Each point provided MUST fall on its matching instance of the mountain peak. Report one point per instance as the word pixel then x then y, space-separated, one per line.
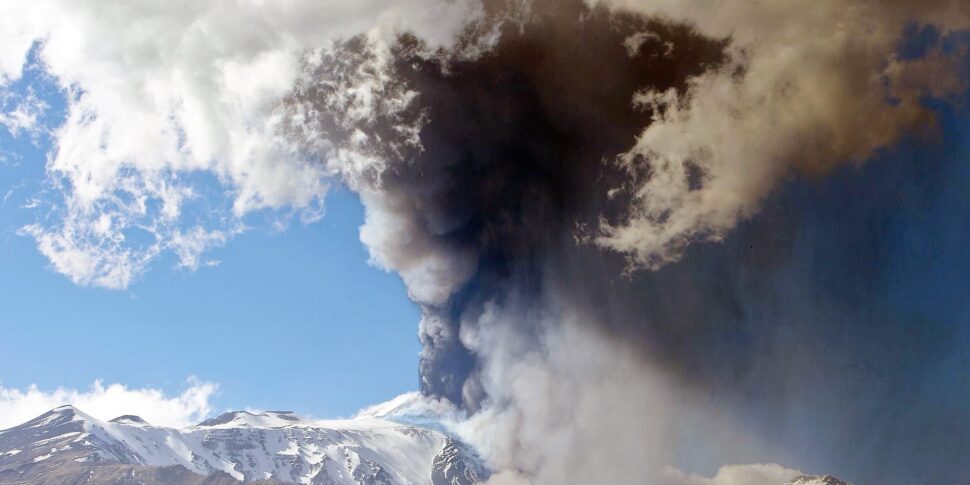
pixel 59 416
pixel 817 480
pixel 68 410
pixel 130 419
pixel 247 419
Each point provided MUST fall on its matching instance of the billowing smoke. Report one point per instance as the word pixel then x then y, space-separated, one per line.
pixel 538 186
pixel 477 166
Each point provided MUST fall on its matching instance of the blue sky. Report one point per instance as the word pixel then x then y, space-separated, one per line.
pixel 293 318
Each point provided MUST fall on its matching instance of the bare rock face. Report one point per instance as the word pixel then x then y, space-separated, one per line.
pixel 66 446
pixel 452 466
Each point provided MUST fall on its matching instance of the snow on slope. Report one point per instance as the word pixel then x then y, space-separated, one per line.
pixel 415 409
pixel 272 445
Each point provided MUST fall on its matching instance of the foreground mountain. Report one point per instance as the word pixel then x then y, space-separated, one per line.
pixel 67 446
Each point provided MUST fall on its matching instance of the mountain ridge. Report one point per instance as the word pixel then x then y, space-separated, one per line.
pixel 66 445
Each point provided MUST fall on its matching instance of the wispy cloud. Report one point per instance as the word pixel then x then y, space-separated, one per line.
pixel 22 114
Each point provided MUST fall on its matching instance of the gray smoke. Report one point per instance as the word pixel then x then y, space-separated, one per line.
pixel 478 165
pixel 576 196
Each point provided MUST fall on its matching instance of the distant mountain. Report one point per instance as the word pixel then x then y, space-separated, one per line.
pixel 67 446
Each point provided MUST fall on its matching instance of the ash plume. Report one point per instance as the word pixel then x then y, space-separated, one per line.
pixel 477 167
pixel 606 214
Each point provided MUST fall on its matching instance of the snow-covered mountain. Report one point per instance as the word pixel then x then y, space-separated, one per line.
pixel 394 443
pixel 66 445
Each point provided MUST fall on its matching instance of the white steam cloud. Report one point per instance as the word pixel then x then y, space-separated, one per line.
pixel 757 474
pixel 576 407
pixel 760 474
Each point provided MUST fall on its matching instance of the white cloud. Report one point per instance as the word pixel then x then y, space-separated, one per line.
pixel 110 401
pixel 190 245
pixel 159 91
pixel 89 254
pixel 22 114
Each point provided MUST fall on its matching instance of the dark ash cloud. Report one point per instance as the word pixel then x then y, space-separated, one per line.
pixel 521 180
pixel 515 145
